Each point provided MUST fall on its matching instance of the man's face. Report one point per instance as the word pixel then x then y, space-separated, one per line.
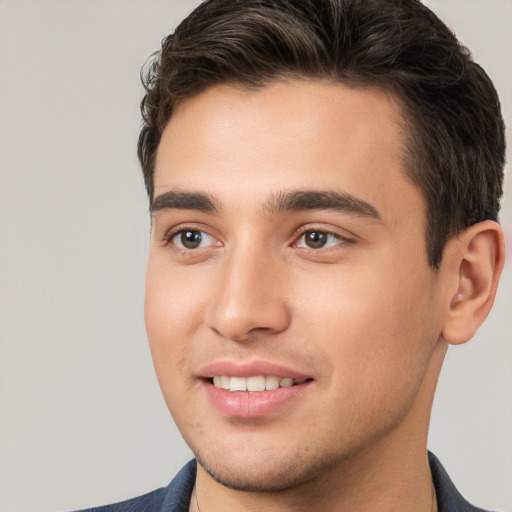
pixel 288 248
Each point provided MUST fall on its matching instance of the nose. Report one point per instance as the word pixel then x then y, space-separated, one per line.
pixel 250 297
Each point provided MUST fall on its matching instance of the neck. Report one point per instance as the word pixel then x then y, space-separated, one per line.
pixel 392 474
pixel 364 490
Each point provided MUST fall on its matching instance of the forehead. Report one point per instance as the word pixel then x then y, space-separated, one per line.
pixel 299 134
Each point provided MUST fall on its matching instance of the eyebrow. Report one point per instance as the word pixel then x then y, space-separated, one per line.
pixel 321 200
pixel 298 200
pixel 178 200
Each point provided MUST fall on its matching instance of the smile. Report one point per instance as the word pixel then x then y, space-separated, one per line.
pixel 253 389
pixel 256 383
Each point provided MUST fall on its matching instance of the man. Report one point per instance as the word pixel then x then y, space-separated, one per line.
pixel 324 179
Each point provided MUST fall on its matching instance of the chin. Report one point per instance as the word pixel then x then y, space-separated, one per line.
pixel 258 461
pixel 266 475
pixel 263 464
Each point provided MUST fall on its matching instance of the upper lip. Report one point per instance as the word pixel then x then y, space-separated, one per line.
pixel 249 369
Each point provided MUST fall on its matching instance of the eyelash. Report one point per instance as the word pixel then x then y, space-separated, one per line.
pixel 172 234
pixel 175 232
pixel 341 240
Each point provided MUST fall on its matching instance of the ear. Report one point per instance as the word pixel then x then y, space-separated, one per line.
pixel 476 260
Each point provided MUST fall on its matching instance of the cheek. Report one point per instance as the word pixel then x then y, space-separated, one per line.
pixel 171 301
pixel 374 325
pixel 171 314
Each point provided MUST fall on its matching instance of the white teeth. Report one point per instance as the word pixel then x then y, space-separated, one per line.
pixel 271 383
pixel 238 384
pixel 256 383
pixel 224 382
pixel 253 384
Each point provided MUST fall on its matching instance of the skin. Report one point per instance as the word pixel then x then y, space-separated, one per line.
pixel 364 316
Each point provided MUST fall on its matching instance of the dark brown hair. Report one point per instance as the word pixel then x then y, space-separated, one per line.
pixel 454 131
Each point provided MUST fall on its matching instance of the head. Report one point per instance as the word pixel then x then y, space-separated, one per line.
pixel 453 128
pixel 324 177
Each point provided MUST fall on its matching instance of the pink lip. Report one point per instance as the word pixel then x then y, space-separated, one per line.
pixel 246 404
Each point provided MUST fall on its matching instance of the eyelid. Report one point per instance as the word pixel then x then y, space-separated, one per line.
pixel 173 231
pixel 345 236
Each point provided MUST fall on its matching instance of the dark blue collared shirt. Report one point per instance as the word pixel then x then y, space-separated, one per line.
pixel 176 496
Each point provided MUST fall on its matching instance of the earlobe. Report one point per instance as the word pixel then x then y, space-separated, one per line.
pixel 478 259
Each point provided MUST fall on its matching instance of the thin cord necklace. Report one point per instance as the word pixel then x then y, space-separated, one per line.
pixel 197 504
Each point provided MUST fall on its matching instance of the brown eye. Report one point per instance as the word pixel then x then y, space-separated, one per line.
pixel 314 239
pixel 192 239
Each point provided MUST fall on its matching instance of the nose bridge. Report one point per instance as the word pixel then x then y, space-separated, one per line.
pixel 249 295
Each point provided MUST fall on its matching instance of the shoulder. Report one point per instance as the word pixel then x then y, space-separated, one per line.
pixel 150 502
pixel 173 498
pixel 449 498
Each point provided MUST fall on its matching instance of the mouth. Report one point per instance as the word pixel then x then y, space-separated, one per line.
pixel 254 389
pixel 256 383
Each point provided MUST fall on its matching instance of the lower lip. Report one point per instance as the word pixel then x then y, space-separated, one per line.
pixel 246 404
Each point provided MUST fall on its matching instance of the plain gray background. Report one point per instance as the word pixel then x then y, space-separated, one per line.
pixel 82 421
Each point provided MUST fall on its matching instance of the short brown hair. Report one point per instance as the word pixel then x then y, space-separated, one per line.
pixel 454 129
